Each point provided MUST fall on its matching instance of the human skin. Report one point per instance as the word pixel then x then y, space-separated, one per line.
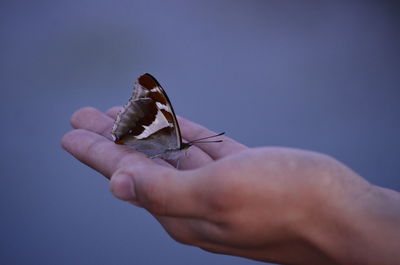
pixel 271 204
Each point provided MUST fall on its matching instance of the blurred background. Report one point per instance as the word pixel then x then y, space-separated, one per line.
pixel 313 75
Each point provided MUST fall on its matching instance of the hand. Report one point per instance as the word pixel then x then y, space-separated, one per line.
pixel 272 204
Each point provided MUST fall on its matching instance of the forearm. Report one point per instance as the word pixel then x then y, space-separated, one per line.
pixel 381 227
pixel 361 229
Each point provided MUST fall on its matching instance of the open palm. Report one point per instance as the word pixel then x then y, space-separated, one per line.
pixel 91 143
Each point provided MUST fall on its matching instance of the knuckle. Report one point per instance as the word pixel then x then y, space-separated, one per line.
pixel 94 146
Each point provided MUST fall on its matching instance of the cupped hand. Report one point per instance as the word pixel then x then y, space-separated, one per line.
pixel 268 204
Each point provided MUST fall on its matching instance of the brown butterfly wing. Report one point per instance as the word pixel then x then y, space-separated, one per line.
pixel 148 122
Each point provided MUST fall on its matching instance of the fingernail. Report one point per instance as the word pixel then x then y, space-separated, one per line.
pixel 122 187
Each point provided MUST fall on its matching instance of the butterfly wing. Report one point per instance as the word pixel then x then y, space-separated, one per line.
pixel 148 122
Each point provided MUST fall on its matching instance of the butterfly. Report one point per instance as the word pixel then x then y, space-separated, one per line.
pixel 148 122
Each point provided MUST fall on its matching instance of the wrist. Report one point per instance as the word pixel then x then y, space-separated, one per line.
pixel 355 222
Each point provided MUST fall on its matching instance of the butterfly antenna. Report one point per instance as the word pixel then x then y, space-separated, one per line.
pixel 200 140
pixel 203 142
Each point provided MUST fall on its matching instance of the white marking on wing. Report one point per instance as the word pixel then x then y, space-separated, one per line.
pixel 159 123
pixel 155 89
pixel 162 106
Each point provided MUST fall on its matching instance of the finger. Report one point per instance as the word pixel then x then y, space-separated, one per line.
pixel 113 112
pixel 91 119
pixel 162 191
pixel 194 158
pixel 94 120
pixel 193 131
pixel 99 153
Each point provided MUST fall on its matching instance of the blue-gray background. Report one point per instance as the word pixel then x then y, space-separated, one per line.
pixel 314 75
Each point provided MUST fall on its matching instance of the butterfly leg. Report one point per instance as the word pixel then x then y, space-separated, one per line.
pixel 155 156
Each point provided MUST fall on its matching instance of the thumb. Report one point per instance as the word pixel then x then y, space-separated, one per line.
pixel 161 190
